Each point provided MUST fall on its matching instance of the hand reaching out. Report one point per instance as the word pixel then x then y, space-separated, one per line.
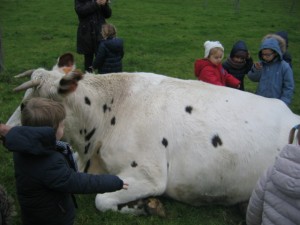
pixel 3 131
pixel 101 2
pixel 258 65
pixel 125 186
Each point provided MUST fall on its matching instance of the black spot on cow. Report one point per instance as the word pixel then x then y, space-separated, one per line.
pixel 104 108
pixel 165 142
pixel 134 164
pixel 216 140
pixel 87 101
pixel 86 148
pixel 90 134
pixel 189 109
pixel 87 166
pixel 113 121
pixel 81 131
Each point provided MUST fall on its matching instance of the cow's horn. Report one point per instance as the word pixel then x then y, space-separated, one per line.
pixel 25 74
pixel 27 85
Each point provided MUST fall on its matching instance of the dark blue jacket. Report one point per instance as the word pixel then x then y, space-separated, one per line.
pixel 44 179
pixel 109 56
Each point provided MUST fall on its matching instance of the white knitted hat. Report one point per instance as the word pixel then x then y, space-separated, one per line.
pixel 208 45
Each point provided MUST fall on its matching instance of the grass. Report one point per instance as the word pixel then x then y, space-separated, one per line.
pixel 163 37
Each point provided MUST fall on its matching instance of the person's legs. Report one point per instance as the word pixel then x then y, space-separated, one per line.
pixel 88 61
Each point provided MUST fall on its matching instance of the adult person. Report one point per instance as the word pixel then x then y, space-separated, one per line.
pixel 92 14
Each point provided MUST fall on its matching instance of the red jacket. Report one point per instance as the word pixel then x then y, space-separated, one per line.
pixel 210 73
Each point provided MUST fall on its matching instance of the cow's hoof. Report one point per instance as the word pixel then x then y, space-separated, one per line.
pixel 155 207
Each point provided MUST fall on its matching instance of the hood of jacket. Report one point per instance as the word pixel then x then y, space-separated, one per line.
pixel 238 46
pixel 270 43
pixel 31 140
pixel 286 172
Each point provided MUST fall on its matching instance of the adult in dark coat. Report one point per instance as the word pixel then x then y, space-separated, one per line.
pixel 91 15
pixel 44 180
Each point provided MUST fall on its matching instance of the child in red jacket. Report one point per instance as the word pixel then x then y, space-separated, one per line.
pixel 210 69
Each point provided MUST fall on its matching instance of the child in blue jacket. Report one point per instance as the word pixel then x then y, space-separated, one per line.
pixel 274 75
pixel 45 174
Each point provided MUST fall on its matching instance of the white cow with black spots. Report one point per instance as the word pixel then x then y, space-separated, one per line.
pixel 185 139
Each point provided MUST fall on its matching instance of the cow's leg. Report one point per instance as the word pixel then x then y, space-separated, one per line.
pixel 134 200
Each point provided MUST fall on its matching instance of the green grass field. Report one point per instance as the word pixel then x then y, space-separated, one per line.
pixel 163 37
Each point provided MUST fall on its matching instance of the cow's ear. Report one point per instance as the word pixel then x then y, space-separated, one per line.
pixel 69 82
pixel 66 60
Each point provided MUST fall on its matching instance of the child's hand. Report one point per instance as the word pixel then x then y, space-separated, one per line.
pixel 125 186
pixel 101 2
pixel 258 65
pixel 3 131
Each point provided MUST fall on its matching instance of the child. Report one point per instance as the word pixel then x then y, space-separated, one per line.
pixel 239 62
pixel 210 68
pixel 110 51
pixel 274 75
pixel 45 176
pixel 276 197
pixel 282 38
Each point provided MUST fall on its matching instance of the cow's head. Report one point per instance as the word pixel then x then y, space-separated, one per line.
pixel 54 84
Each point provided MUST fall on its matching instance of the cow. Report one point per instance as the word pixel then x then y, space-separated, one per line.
pixel 187 140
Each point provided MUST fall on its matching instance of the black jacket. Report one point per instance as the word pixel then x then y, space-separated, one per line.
pixel 238 71
pixel 44 179
pixel 109 56
pixel 91 17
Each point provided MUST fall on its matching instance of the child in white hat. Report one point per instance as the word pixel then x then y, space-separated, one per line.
pixel 210 69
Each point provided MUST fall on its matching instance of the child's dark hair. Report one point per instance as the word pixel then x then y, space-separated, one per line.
pixel 39 112
pixel 108 31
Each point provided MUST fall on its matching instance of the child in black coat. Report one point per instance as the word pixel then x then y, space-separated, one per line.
pixel 110 51
pixel 239 62
pixel 45 172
